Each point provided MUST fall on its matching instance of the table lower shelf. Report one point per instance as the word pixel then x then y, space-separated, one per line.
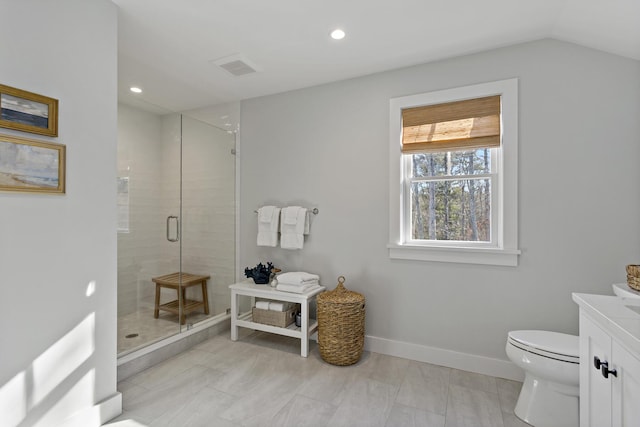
pixel 246 321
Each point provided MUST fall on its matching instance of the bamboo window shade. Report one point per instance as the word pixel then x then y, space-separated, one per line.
pixel 459 125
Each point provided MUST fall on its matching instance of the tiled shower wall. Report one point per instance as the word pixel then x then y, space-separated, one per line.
pixel 149 154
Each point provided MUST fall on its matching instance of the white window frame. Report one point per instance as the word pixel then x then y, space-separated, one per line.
pixel 503 250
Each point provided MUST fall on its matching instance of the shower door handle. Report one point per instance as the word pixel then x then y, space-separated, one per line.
pixel 177 237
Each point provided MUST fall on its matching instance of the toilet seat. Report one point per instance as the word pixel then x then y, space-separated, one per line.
pixel 552 345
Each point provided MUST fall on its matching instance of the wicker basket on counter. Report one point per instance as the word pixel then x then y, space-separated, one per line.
pixel 633 276
pixel 340 325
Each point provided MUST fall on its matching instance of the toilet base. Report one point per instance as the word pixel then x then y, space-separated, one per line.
pixel 543 403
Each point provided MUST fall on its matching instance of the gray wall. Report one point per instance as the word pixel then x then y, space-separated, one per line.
pixel 57 332
pixel 579 210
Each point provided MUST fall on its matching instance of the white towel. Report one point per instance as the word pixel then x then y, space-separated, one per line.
pixel 273 305
pixel 298 278
pixel 294 224
pixel 297 288
pixel 268 217
pixel 279 306
pixel 310 282
pixel 265 213
pixel 262 305
pixel 290 215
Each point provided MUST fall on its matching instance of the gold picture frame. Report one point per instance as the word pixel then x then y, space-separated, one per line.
pixel 31 166
pixel 28 111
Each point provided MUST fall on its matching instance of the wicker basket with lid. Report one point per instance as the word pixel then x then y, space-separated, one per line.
pixel 341 325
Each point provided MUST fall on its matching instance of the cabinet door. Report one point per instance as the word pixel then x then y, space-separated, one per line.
pixel 626 388
pixel 595 390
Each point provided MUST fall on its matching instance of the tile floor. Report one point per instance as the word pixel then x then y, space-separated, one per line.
pixel 261 380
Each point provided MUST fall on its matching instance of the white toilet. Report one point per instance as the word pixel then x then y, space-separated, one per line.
pixel 550 392
pixel 550 360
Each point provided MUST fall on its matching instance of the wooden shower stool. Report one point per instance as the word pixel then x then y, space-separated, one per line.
pixel 173 281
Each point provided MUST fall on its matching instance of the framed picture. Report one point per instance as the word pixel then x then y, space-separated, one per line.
pixel 28 165
pixel 28 112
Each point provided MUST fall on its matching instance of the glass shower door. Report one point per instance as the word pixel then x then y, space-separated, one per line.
pixel 168 296
pixel 208 216
pixel 148 224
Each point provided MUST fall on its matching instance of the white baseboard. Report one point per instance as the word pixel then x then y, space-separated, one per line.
pixel 98 414
pixel 451 359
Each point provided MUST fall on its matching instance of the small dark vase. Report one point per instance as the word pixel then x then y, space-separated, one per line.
pixel 261 274
pixel 261 280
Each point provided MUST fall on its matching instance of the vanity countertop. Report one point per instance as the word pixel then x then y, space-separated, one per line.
pixel 618 316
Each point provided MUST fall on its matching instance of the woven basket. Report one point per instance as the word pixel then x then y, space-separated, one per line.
pixel 281 319
pixel 633 277
pixel 340 325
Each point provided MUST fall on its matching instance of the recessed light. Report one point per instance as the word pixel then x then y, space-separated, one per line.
pixel 135 89
pixel 337 34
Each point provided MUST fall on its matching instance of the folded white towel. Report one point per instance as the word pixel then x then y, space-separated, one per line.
pixel 298 278
pixel 278 306
pixel 290 215
pixel 294 225
pixel 268 219
pixel 297 288
pixel 265 213
pixel 262 305
pixel 311 282
pixel 273 305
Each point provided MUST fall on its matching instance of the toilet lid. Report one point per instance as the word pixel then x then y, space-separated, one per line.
pixel 547 343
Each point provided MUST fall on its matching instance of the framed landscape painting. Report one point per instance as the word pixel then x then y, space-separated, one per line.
pixel 28 165
pixel 28 112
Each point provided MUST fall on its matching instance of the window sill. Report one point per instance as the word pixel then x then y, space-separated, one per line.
pixel 486 256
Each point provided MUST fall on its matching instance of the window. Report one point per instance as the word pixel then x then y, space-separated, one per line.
pixel 453 164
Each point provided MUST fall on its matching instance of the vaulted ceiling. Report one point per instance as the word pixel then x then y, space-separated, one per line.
pixel 170 48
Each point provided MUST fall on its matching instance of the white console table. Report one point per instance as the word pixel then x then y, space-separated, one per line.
pixel 250 289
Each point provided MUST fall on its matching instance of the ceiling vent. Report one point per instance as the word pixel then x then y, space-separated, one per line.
pixel 236 65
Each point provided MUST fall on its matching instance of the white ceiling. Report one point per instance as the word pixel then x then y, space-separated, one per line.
pixel 167 47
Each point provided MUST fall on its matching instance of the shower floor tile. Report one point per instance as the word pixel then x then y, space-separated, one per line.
pixel 143 329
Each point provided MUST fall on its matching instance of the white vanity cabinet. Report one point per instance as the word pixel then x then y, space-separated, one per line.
pixel 626 392
pixel 609 361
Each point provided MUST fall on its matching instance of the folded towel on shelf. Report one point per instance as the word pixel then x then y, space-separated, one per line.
pixel 310 282
pixel 298 289
pixel 273 305
pixel 298 278
pixel 262 305
pixel 268 220
pixel 279 306
pixel 294 224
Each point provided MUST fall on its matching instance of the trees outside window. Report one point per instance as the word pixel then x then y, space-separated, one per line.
pixel 450 195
